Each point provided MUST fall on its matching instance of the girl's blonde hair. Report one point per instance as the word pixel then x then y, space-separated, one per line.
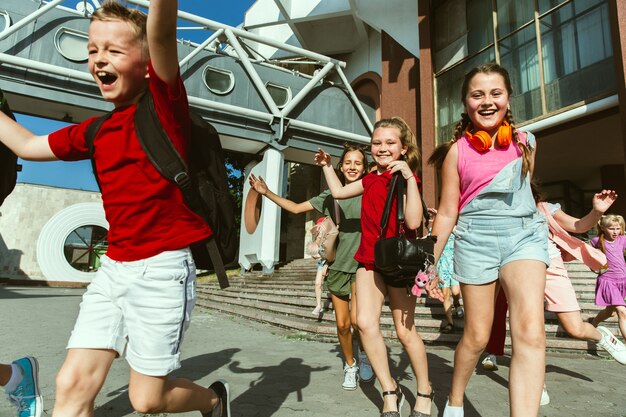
pixel 111 10
pixel 407 138
pixel 440 153
pixel 607 221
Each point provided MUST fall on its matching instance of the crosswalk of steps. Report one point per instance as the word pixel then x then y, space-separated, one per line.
pixel 286 299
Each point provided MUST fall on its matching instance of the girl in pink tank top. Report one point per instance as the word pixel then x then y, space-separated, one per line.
pixel 500 241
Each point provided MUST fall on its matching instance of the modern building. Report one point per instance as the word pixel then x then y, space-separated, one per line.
pixel 566 58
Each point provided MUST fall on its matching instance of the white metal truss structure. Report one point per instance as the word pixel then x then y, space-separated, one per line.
pixel 222 40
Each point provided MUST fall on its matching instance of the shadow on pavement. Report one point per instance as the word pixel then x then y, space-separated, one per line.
pixel 14 293
pixel 194 368
pixel 275 383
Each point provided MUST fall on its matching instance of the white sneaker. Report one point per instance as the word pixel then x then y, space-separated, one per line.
pixel 350 376
pixel 610 343
pixel 316 311
pixel 489 363
pixel 545 398
pixel 453 411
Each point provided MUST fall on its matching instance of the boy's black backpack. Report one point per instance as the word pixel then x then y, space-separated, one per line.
pixel 8 160
pixel 203 180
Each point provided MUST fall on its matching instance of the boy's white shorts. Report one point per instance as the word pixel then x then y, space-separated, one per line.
pixel 140 309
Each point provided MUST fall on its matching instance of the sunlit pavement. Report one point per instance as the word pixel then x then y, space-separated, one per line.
pixel 273 372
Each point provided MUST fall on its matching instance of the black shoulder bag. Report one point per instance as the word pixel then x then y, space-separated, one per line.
pixel 400 258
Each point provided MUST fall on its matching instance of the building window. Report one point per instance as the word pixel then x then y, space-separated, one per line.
pixel 218 81
pixel 279 93
pixel 72 44
pixel 576 53
pixel 84 246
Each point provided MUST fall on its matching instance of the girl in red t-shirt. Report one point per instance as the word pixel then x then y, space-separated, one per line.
pixel 393 149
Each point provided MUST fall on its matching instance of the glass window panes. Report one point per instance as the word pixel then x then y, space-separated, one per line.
pixel 518 54
pixel 545 5
pixel 280 93
pixel 479 25
pixel 449 105
pixel 218 80
pixel 72 44
pixel 84 247
pixel 450 21
pixel 513 14
pixel 577 53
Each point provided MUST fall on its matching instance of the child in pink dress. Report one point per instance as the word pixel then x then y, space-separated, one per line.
pixel 611 284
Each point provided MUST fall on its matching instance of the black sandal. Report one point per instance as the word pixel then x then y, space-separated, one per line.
pixel 399 401
pixel 430 396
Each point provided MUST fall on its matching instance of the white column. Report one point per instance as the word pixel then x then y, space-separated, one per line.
pixel 259 242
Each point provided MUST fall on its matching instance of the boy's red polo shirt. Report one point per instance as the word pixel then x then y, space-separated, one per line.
pixel 146 213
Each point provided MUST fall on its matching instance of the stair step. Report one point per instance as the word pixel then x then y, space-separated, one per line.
pixel 286 298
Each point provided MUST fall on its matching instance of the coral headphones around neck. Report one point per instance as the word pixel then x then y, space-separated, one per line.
pixel 481 140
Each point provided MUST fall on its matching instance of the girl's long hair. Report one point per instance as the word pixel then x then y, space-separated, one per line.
pixel 440 153
pixel 349 147
pixel 407 138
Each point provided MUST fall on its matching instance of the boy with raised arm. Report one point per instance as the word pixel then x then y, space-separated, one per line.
pixel 140 300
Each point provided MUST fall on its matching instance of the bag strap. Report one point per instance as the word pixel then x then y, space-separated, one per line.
pixel 90 136
pixel 387 210
pixel 337 213
pixel 401 182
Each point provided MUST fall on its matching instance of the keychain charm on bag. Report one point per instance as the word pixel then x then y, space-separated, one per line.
pixel 422 278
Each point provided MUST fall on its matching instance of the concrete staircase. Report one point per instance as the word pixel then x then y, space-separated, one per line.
pixel 286 299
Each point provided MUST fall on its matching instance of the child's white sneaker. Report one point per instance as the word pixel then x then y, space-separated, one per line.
pixel 490 363
pixel 610 343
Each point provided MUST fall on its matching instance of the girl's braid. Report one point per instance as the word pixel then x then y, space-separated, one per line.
pixel 521 145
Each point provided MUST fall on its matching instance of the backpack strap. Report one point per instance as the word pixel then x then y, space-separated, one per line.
pixel 166 159
pixel 90 136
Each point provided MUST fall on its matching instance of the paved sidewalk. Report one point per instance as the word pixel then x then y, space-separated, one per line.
pixel 275 373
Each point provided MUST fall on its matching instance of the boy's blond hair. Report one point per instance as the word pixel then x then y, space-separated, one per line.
pixel 111 10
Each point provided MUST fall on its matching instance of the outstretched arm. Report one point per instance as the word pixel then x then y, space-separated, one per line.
pixel 23 142
pixel 161 34
pixel 414 212
pixel 337 189
pixel 260 187
pixel 600 203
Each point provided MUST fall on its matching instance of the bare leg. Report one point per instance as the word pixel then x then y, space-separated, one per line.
pixel 403 311
pixel 79 381
pixel 319 279
pixel 447 305
pixel 479 303
pixel 603 315
pixel 341 305
pixel 152 395
pixel 524 284
pixel 574 325
pixel 621 320
pixel 371 291
pixel 5 374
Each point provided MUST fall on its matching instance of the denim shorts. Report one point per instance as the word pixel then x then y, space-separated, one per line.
pixel 483 245
pixel 139 309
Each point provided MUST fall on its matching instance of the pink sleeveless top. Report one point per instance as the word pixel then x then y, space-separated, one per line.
pixel 477 169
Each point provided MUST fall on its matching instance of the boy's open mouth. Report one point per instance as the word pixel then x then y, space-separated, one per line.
pixel 106 78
